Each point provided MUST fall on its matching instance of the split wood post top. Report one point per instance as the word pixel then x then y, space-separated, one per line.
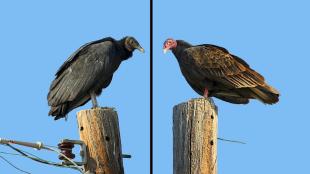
pixel 99 129
pixel 195 137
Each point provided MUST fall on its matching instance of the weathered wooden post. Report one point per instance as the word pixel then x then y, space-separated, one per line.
pixel 195 137
pixel 99 129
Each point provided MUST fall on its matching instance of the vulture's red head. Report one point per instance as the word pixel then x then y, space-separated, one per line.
pixel 169 44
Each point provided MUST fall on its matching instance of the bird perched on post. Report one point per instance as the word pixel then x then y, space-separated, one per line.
pixel 212 71
pixel 86 72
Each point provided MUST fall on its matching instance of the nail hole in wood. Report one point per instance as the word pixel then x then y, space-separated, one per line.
pixel 211 142
pixel 81 128
pixel 107 138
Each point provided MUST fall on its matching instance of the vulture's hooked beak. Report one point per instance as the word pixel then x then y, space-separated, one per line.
pixel 140 49
pixel 165 50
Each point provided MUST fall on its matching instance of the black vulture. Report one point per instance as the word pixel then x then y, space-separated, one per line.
pixel 211 70
pixel 86 72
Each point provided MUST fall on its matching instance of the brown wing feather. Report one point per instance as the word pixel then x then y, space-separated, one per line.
pixel 218 65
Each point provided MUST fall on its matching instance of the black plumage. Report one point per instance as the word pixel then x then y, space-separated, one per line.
pixel 86 72
pixel 212 71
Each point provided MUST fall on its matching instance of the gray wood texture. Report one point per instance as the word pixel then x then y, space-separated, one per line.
pixel 195 137
pixel 99 129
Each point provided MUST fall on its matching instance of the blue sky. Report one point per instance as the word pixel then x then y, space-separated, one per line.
pixel 273 37
pixel 36 38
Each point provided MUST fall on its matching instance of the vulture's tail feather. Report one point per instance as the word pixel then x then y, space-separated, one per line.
pixel 232 99
pixel 266 94
pixel 59 111
pixel 62 110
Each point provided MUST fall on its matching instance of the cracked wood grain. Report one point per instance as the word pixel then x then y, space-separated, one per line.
pixel 99 129
pixel 195 137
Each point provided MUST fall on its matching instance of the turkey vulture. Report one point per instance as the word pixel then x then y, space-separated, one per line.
pixel 211 70
pixel 86 72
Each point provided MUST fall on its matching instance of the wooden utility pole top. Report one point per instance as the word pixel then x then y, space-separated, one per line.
pixel 195 137
pixel 99 129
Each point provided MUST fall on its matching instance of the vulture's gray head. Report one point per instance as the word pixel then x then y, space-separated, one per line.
pixel 131 44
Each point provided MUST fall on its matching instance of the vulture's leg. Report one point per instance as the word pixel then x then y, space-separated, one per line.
pixel 94 99
pixel 209 85
pixel 206 93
